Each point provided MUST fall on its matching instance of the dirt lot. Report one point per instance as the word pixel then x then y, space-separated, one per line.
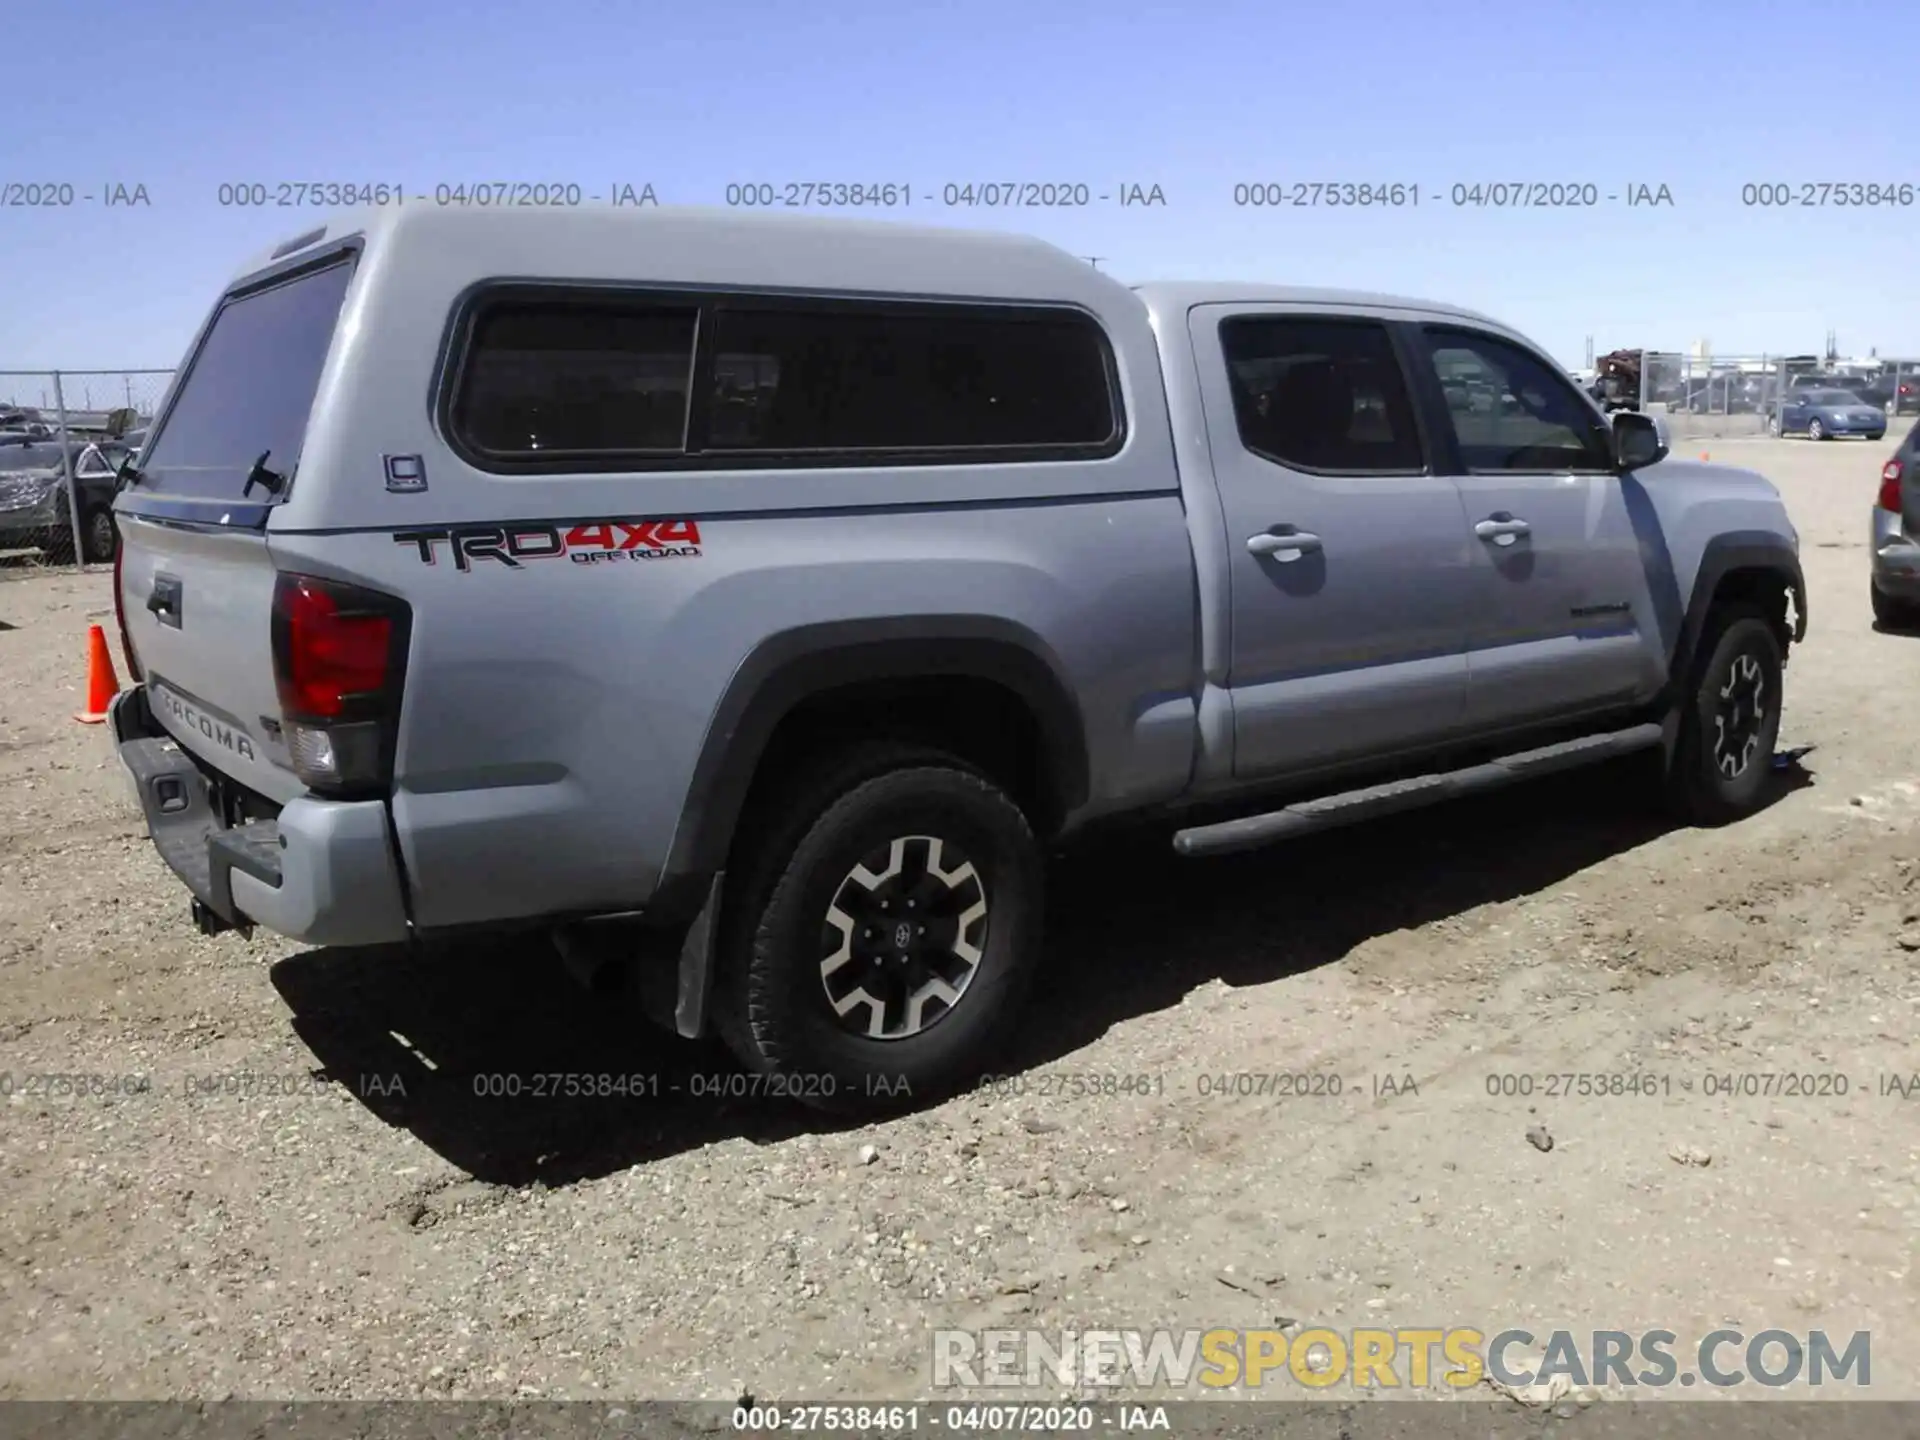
pixel 361 1224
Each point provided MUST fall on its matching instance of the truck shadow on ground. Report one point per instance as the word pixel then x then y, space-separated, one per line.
pixel 499 1064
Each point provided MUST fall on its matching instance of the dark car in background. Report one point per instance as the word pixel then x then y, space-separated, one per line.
pixel 1810 380
pixel 1821 414
pixel 1895 392
pixel 33 495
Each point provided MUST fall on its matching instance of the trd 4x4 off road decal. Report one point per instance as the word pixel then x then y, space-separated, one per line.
pixel 592 543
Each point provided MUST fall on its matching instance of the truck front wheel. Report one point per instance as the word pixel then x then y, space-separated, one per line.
pixel 884 933
pixel 1729 719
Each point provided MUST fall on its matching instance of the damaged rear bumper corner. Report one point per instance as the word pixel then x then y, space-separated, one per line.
pixel 322 872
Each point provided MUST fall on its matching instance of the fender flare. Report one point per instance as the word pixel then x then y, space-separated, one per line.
pixel 1723 555
pixel 795 665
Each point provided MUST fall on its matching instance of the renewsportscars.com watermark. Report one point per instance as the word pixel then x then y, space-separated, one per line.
pixel 1450 1358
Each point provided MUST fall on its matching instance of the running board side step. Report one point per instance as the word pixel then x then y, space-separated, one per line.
pixel 1356 805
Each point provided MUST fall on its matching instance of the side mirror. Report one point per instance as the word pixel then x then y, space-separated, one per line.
pixel 1638 440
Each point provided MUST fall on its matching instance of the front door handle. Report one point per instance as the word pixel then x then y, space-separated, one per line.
pixel 1290 546
pixel 1502 529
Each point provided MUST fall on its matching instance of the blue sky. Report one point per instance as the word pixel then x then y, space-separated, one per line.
pixel 1195 97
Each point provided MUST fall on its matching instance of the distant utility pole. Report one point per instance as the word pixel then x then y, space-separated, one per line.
pixel 1094 260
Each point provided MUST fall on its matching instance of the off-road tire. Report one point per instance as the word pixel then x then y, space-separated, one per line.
pixel 1739 642
pixel 772 1008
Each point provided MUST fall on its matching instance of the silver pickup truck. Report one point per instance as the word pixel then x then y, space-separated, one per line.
pixel 755 601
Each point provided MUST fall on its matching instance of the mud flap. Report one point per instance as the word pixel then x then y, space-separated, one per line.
pixel 1670 734
pixel 696 966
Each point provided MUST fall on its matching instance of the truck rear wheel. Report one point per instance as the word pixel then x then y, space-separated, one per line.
pixel 884 932
pixel 1729 720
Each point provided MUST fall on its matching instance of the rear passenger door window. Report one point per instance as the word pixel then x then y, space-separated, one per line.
pixel 1512 412
pixel 1325 396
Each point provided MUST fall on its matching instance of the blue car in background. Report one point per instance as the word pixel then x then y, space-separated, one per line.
pixel 1823 414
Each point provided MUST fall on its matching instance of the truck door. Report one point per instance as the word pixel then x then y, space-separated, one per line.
pixel 1352 571
pixel 1563 620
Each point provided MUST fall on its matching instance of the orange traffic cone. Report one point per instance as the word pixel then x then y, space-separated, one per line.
pixel 102 683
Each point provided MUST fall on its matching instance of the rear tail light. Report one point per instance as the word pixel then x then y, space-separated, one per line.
pixel 120 613
pixel 339 656
pixel 1890 487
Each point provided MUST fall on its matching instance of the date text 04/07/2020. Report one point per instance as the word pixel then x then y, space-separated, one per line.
pixel 1462 195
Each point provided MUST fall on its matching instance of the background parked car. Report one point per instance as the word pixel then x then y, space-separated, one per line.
pixel 1823 414
pixel 1896 538
pixel 33 495
pixel 1811 380
pixel 1895 394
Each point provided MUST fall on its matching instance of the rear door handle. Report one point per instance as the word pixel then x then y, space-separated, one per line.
pixel 1283 548
pixel 1502 529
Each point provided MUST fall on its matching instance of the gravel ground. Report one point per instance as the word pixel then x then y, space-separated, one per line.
pixel 353 1221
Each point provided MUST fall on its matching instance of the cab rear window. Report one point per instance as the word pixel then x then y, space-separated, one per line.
pixel 248 389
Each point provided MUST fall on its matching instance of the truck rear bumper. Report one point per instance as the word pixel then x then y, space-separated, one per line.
pixel 323 872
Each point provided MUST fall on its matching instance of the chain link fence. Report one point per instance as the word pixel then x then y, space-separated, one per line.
pixel 1714 396
pixel 63 437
